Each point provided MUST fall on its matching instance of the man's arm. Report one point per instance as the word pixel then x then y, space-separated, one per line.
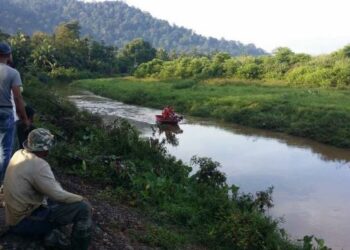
pixel 20 109
pixel 45 183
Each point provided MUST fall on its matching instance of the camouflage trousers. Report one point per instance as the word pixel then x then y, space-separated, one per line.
pixel 45 219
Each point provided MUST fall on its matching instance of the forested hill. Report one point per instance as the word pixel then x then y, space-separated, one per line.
pixel 114 22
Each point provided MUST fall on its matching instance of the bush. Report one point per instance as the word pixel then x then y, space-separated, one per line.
pixel 149 69
pixel 62 73
pixel 341 73
pixel 249 71
pixel 308 75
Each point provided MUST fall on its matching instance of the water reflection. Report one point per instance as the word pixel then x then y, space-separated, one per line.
pixel 143 118
pixel 312 194
pixel 325 152
pixel 312 184
pixel 169 131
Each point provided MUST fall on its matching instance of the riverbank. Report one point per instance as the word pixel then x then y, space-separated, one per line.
pixel 180 212
pixel 319 114
pixel 310 179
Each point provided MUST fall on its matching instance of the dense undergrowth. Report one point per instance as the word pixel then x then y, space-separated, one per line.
pixel 320 114
pixel 200 209
pixel 295 69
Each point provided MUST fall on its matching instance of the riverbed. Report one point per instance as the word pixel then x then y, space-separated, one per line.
pixel 311 180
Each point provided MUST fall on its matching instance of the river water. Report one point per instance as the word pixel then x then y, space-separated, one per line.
pixel 311 180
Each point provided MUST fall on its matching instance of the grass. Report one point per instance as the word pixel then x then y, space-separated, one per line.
pixel 201 210
pixel 184 211
pixel 316 113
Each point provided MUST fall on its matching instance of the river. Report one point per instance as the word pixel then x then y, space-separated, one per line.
pixel 311 180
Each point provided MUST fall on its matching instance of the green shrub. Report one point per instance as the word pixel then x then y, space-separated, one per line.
pixel 62 73
pixel 140 172
pixel 249 71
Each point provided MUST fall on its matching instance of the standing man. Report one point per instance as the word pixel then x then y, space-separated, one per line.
pixel 10 80
pixel 28 180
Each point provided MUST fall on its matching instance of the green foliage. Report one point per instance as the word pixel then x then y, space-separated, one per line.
pixel 283 55
pixel 21 47
pixel 139 50
pixel 114 22
pixel 44 53
pixel 64 55
pixel 208 173
pixel 200 209
pixel 61 73
pixel 345 51
pixel 161 237
pixel 284 65
pixel 184 84
pixel 319 114
pixel 308 243
pixel 249 71
pixel 148 69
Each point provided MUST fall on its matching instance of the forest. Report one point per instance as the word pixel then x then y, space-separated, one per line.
pixel 67 53
pixel 113 22
pixel 64 54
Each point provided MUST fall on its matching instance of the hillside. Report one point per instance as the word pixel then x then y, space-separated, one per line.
pixel 114 22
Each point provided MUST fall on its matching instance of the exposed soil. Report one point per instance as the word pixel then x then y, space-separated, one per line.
pixel 114 224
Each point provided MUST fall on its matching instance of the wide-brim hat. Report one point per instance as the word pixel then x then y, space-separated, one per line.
pixel 39 140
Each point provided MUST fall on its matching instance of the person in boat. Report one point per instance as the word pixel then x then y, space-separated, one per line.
pixel 28 181
pixel 165 113
pixel 168 113
pixel 171 112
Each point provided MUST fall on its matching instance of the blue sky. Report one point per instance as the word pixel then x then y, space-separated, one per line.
pixel 310 26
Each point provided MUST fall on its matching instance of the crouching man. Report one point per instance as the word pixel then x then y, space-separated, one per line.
pixel 28 181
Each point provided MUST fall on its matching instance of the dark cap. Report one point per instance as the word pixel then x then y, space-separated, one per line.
pixel 5 49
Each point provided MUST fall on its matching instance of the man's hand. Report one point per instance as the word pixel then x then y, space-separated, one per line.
pixel 17 96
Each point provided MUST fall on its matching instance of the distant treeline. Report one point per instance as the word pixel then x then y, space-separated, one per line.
pixel 331 70
pixel 65 55
pixel 114 22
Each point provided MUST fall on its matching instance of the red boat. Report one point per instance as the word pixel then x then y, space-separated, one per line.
pixel 171 120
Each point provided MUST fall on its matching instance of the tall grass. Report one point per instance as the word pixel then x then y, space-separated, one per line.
pixel 201 209
pixel 316 113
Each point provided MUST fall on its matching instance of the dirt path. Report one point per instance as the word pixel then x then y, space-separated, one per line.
pixel 113 223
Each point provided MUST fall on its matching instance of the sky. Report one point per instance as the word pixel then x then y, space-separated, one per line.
pixel 309 26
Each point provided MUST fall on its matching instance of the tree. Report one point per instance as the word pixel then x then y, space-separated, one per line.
pixel 230 67
pixel 44 55
pixel 249 71
pixel 40 37
pixel 217 64
pixel 114 22
pixel 136 52
pixel 346 51
pixel 102 58
pixel 73 50
pixel 162 54
pixel 67 32
pixel 283 55
pixel 21 50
